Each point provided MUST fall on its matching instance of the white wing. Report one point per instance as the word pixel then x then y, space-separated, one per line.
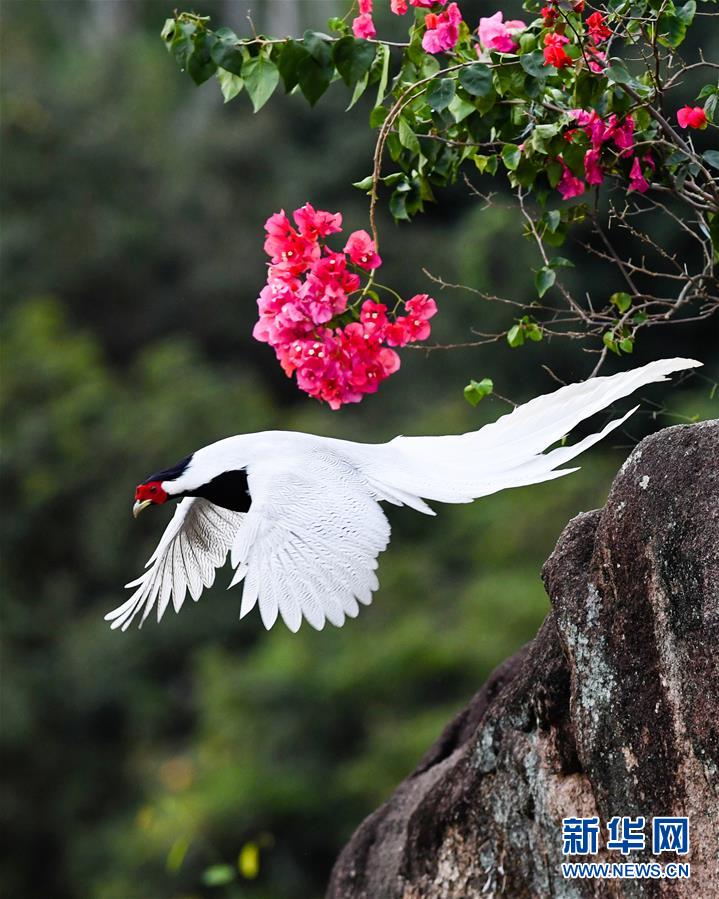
pixel 309 544
pixel 194 544
pixel 507 453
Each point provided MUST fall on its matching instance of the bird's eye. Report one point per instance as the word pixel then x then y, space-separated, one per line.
pixel 153 489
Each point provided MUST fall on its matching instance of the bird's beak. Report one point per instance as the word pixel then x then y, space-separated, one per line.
pixel 139 506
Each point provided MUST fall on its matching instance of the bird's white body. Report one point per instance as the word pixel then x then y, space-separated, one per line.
pixel 308 545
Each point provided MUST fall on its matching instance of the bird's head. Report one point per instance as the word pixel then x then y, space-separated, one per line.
pixel 160 487
pixel 148 494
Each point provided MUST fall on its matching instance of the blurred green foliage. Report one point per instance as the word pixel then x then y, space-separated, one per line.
pixel 205 757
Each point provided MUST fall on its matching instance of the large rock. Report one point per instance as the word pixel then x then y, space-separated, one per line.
pixel 613 709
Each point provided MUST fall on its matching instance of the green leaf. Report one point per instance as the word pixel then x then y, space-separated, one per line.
pixel 687 12
pixel 364 184
pixel 168 30
pixel 476 80
pixel 200 64
pixel 560 262
pixel 225 52
pixel 486 163
pixel 318 46
pixel 515 336
pixel 554 174
pixel 398 205
pixel 707 91
pixel 440 93
pixel 230 84
pixel 609 342
pixel 533 64
pixel 261 77
pixel 218 875
pixel 460 108
pixel 476 391
pixel 617 73
pixel 338 25
pixel 289 61
pixel 377 116
pixel 509 80
pixel 179 40
pixel 626 345
pixel 534 332
pixel 712 158
pixel 382 51
pixel 543 134
pixel 552 219
pixel 544 279
pixel 359 89
pixel 407 137
pixel 710 107
pixel 511 154
pixel 671 30
pixel 621 300
pixel 176 855
pixel 353 58
pixel 314 78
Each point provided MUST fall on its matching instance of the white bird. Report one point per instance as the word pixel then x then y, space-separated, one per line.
pixel 300 515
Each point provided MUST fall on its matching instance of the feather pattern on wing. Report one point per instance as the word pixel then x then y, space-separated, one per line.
pixel 308 547
pixel 194 545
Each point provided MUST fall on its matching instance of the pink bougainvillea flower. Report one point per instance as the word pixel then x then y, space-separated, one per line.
pixel 592 169
pixel 442 30
pixel 308 287
pixel 637 181
pixel 363 26
pixel 421 305
pixel 597 130
pixel 569 185
pixel 692 117
pixel 550 15
pixel 597 27
pixel 554 53
pixel 622 134
pixel 426 4
pixel 419 311
pixel 285 246
pixel 362 251
pixel 597 60
pixel 313 224
pixel 582 117
pixel 496 34
pixel 399 7
pixel 374 318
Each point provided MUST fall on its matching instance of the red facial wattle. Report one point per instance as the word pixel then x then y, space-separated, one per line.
pixel 151 491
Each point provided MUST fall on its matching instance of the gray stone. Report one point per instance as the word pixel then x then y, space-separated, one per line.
pixel 613 709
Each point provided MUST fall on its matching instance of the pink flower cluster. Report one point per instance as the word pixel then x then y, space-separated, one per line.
pixel 692 117
pixel 447 23
pixel 308 287
pixel 442 29
pixel 496 34
pixel 600 132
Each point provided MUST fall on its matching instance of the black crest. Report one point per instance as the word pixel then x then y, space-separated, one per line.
pixel 170 474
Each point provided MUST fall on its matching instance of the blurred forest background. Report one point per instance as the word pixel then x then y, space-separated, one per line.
pixel 146 765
